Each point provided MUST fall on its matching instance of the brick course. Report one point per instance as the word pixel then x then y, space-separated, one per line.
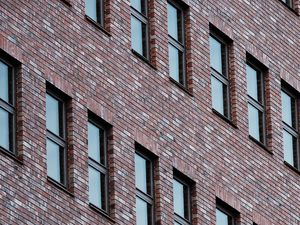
pixel 55 43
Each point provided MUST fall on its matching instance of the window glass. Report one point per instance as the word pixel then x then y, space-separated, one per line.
pixel 4 82
pixel 286 108
pixel 91 9
pixel 288 147
pixel 215 54
pixel 139 5
pixel 174 66
pixel 217 95
pixel 4 129
pixel 53 161
pixel 137 35
pixel 173 22
pixel 95 187
pixel 178 195
pixel 141 212
pixel 221 218
pixel 253 115
pixel 94 142
pixel 52 115
pixel 252 81
pixel 141 173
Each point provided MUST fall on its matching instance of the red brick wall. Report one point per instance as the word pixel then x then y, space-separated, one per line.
pixel 56 44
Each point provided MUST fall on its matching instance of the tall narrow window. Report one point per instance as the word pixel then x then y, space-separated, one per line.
pixel 7 107
pixel 225 215
pixel 98 170
pixel 56 138
pixel 176 43
pixel 94 9
pixel 144 190
pixel 256 103
pixel 219 75
pixel 290 128
pixel 139 27
pixel 182 202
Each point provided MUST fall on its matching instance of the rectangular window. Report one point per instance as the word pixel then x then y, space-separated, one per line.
pixel 94 9
pixel 176 32
pixel 7 107
pixel 256 102
pixel 98 168
pixel 290 128
pixel 225 215
pixel 288 3
pixel 181 201
pixel 139 27
pixel 56 143
pixel 144 190
pixel 219 75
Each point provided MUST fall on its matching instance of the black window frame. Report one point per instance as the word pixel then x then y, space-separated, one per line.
pixel 101 168
pixel 180 46
pixel 289 3
pixel 144 19
pixel 100 12
pixel 188 199
pixel 259 104
pixel 61 140
pixel 149 199
pixel 224 77
pixel 232 213
pixel 10 107
pixel 294 129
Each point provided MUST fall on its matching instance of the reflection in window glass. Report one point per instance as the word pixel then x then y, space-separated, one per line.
pixel 4 82
pixel 215 54
pixel 4 129
pixel 288 147
pixel 287 109
pixel 95 187
pixel 141 212
pixel 217 95
pixel 173 22
pixel 178 195
pixel 252 81
pixel 91 9
pixel 137 35
pixel 221 218
pixel 53 161
pixel 94 138
pixel 52 115
pixel 253 115
pixel 140 173
pixel 174 62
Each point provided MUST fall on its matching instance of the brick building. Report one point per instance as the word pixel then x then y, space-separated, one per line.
pixel 188 109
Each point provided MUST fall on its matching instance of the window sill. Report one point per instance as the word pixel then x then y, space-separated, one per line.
pixel 260 144
pixel 292 167
pixel 143 58
pixel 97 25
pixel 59 186
pixel 100 211
pixel 181 87
pixel 289 7
pixel 12 156
pixel 224 118
pixel 67 2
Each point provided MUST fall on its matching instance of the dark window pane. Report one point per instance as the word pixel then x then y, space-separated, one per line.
pixel 221 218
pixel 173 22
pixel 288 147
pixel 218 90
pixel 4 129
pixel 4 82
pixel 53 115
pixel 138 36
pixel 179 198
pixel 288 109
pixel 54 163
pixel 141 173
pixel 252 83
pixel 143 212
pixel 216 55
pixel 96 143
pixel 254 122
pixel 96 188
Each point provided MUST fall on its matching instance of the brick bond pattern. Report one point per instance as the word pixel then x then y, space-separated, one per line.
pixel 56 43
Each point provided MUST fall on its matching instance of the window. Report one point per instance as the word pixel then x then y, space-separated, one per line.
pixel 56 143
pixel 176 43
pixel 182 202
pixel 94 9
pixel 219 75
pixel 144 190
pixel 256 102
pixel 139 27
pixel 290 128
pixel 98 168
pixel 7 107
pixel 288 2
pixel 225 215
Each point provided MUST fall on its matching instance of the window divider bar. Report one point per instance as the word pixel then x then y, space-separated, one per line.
pixel 144 196
pixel 58 140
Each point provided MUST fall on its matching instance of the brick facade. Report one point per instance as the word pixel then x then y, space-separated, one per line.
pixel 55 44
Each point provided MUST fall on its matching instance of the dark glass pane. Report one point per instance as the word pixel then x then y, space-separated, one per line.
pixel 288 109
pixel 252 83
pixel 174 23
pixel 218 95
pixel 54 161
pixel 138 36
pixel 143 212
pixel 222 218
pixel 179 198
pixel 96 143
pixel 97 188
pixel 288 147
pixel 216 61
pixel 5 129
pixel 53 114
pixel 4 82
pixel 254 122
